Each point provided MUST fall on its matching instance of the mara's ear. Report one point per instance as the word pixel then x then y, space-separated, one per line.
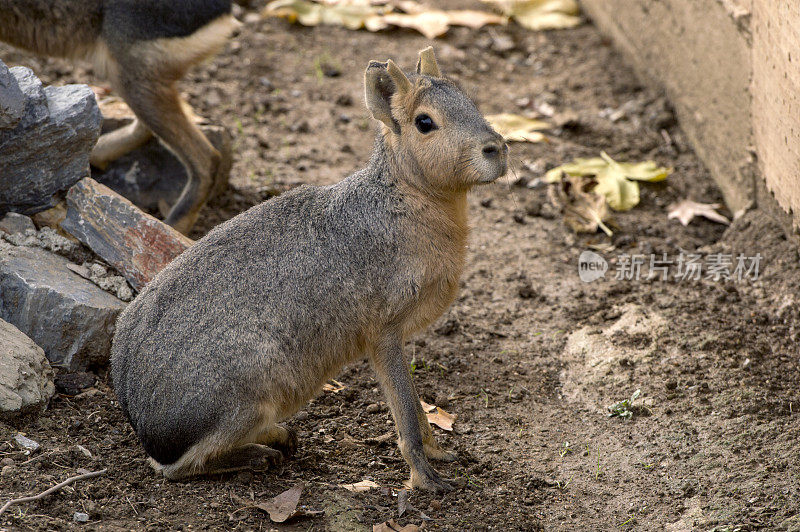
pixel 427 65
pixel 381 81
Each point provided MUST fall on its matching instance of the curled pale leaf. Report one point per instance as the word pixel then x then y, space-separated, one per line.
pixel 687 209
pixel 518 128
pixel 540 14
pixel 333 386
pixel 427 407
pixel 364 485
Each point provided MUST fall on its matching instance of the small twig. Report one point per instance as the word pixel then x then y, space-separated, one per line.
pixel 55 488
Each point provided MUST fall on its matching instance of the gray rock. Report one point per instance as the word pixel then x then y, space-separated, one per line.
pixel 26 443
pixel 71 318
pixel 134 243
pixel 81 517
pixel 47 150
pixel 26 378
pixel 12 101
pixel 13 223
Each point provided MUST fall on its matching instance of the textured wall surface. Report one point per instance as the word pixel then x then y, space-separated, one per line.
pixel 776 99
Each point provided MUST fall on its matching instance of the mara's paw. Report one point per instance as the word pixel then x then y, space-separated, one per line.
pixel 287 445
pixel 252 457
pixel 437 453
pixel 433 483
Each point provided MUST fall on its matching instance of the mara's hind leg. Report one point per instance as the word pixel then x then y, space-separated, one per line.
pixel 243 441
pixel 280 438
pixel 159 107
pixel 114 144
pixel 249 456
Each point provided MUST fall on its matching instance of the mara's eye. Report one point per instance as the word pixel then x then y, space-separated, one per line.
pixel 424 123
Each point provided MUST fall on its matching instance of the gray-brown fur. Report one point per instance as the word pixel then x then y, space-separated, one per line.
pixel 243 328
pixel 144 47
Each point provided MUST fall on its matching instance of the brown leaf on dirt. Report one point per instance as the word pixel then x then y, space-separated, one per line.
pixel 333 386
pixel 392 526
pixel 426 406
pixel 517 128
pixel 283 507
pixel 687 209
pixel 584 210
pixel 438 416
pixel 540 14
pixel 364 485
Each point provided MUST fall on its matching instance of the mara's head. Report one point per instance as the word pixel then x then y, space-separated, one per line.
pixel 435 131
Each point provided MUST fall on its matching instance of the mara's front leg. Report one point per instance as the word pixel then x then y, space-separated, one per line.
pixel 432 448
pixel 392 370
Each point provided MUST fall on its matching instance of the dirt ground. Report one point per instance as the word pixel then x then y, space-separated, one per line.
pixel 529 357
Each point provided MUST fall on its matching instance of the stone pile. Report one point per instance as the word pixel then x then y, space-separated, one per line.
pixel 72 251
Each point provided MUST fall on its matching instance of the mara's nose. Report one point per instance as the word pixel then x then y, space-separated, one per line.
pixel 494 148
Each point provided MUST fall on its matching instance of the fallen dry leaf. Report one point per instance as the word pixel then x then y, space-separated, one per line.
pixel 517 128
pixel 540 14
pixel 687 209
pixel 584 210
pixel 426 406
pixel 364 485
pixel 438 416
pixel 375 15
pixel 431 24
pixel 333 386
pixel 442 419
pixel 351 15
pixel 392 526
pixel 615 181
pixel 283 507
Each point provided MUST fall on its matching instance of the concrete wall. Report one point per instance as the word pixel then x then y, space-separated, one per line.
pixel 776 98
pixel 732 70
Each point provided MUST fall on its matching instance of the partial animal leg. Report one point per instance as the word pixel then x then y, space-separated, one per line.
pixel 432 448
pixel 114 144
pixel 392 371
pixel 159 107
pixel 250 456
pixel 280 438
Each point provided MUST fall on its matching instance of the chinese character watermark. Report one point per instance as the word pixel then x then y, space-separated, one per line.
pixel 681 267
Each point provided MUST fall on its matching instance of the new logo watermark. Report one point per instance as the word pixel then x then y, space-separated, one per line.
pixel 681 267
pixel 591 266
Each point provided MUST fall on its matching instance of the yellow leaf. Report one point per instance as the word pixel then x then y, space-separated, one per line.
pixel 613 178
pixel 350 15
pixel 431 24
pixel 540 14
pixel 374 15
pixel 621 194
pixel 517 128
